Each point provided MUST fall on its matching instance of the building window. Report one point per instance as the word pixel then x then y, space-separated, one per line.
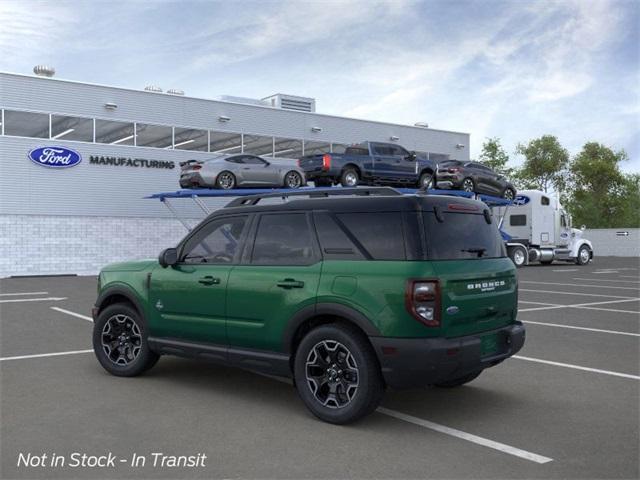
pixel 190 139
pixel 258 145
pixel 157 136
pixel 315 148
pixel 71 128
pixel 114 133
pixel 26 124
pixel 225 142
pixel 287 148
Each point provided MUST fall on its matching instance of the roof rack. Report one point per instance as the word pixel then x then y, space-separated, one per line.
pixel 315 193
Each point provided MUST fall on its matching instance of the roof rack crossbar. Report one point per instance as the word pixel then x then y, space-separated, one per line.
pixel 325 193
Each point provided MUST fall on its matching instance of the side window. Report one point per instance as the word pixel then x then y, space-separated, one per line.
pixel 563 220
pixel 235 160
pixel 380 234
pixel 544 201
pixel 217 242
pixel 334 242
pixel 399 151
pixel 382 150
pixel 283 239
pixel 251 160
pixel 517 220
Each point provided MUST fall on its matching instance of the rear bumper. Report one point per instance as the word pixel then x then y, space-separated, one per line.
pixel 190 180
pixel 418 362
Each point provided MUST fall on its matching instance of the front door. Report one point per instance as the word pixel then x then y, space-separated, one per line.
pixel 188 300
pixel 257 171
pixel 278 276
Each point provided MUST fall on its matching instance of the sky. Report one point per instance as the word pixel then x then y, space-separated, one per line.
pixel 509 69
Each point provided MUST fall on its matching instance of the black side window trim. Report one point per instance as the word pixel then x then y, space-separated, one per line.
pixel 198 235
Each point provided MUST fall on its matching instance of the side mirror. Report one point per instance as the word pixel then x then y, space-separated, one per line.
pixel 266 164
pixel 168 257
pixel 583 228
pixel 412 156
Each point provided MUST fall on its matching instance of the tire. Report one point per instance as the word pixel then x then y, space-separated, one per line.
pixel 508 194
pixel 323 182
pixel 468 185
pixel 518 256
pixel 349 177
pixel 426 181
pixel 346 388
pixel 457 382
pixel 584 255
pixel 292 180
pixel 226 180
pixel 124 353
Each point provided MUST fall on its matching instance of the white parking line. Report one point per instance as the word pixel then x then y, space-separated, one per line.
pixel 578 367
pixel 628 276
pixel 41 355
pixel 587 306
pixel 605 280
pixel 48 299
pixel 583 285
pixel 541 303
pixel 485 442
pixel 582 328
pixel 576 293
pixel 23 293
pixel 73 314
pixel 446 430
pixel 567 270
pixel 605 272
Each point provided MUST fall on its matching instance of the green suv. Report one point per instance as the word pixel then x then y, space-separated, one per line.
pixel 348 295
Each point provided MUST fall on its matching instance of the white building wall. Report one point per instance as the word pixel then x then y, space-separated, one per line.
pixel 612 242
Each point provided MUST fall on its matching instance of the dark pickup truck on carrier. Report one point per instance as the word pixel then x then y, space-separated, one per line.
pixel 369 163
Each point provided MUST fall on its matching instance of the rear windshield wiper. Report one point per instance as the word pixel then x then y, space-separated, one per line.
pixel 479 251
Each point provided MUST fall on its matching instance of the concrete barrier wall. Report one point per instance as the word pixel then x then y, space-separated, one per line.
pixel 614 242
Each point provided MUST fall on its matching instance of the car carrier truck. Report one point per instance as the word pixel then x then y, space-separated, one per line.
pixel 538 229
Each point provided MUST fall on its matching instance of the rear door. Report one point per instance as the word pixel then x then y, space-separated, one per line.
pixel 279 275
pixel 477 281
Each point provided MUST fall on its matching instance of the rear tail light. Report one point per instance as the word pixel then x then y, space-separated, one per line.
pixel 453 170
pixel 299 162
pixel 326 161
pixel 422 300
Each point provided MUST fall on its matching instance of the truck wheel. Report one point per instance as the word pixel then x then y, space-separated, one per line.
pixel 456 382
pixel 426 181
pixel 468 185
pixel 337 374
pixel 584 255
pixel 226 180
pixel 120 341
pixel 349 178
pixel 518 256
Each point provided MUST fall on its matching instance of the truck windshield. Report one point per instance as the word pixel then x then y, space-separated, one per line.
pixel 461 235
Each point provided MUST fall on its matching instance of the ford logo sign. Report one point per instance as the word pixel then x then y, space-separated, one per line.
pixel 55 157
pixel 521 200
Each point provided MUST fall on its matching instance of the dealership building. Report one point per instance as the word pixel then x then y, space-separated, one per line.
pixel 126 145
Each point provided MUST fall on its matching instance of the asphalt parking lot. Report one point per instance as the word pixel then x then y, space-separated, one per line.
pixel 566 407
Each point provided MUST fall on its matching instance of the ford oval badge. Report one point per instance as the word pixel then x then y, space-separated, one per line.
pixel 55 157
pixel 452 310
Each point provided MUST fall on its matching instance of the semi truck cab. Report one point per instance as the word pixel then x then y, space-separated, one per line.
pixel 539 229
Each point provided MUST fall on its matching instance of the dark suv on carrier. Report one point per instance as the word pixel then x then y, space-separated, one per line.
pixel 346 295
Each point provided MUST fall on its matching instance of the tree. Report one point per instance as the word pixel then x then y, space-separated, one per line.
pixel 600 195
pixel 545 163
pixel 494 156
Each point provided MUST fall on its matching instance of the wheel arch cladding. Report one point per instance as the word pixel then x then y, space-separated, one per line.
pixel 354 167
pixel 322 314
pixel 114 295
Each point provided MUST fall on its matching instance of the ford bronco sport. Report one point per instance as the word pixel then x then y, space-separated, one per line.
pixel 345 295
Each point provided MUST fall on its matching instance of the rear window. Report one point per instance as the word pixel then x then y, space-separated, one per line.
pixel 462 236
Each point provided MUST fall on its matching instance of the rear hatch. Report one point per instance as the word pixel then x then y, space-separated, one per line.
pixel 478 284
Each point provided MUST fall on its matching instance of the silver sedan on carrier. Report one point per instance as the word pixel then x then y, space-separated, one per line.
pixel 241 170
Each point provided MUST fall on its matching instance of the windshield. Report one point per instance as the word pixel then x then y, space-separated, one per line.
pixel 461 235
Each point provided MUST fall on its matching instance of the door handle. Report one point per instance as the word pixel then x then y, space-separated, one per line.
pixel 290 283
pixel 209 280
